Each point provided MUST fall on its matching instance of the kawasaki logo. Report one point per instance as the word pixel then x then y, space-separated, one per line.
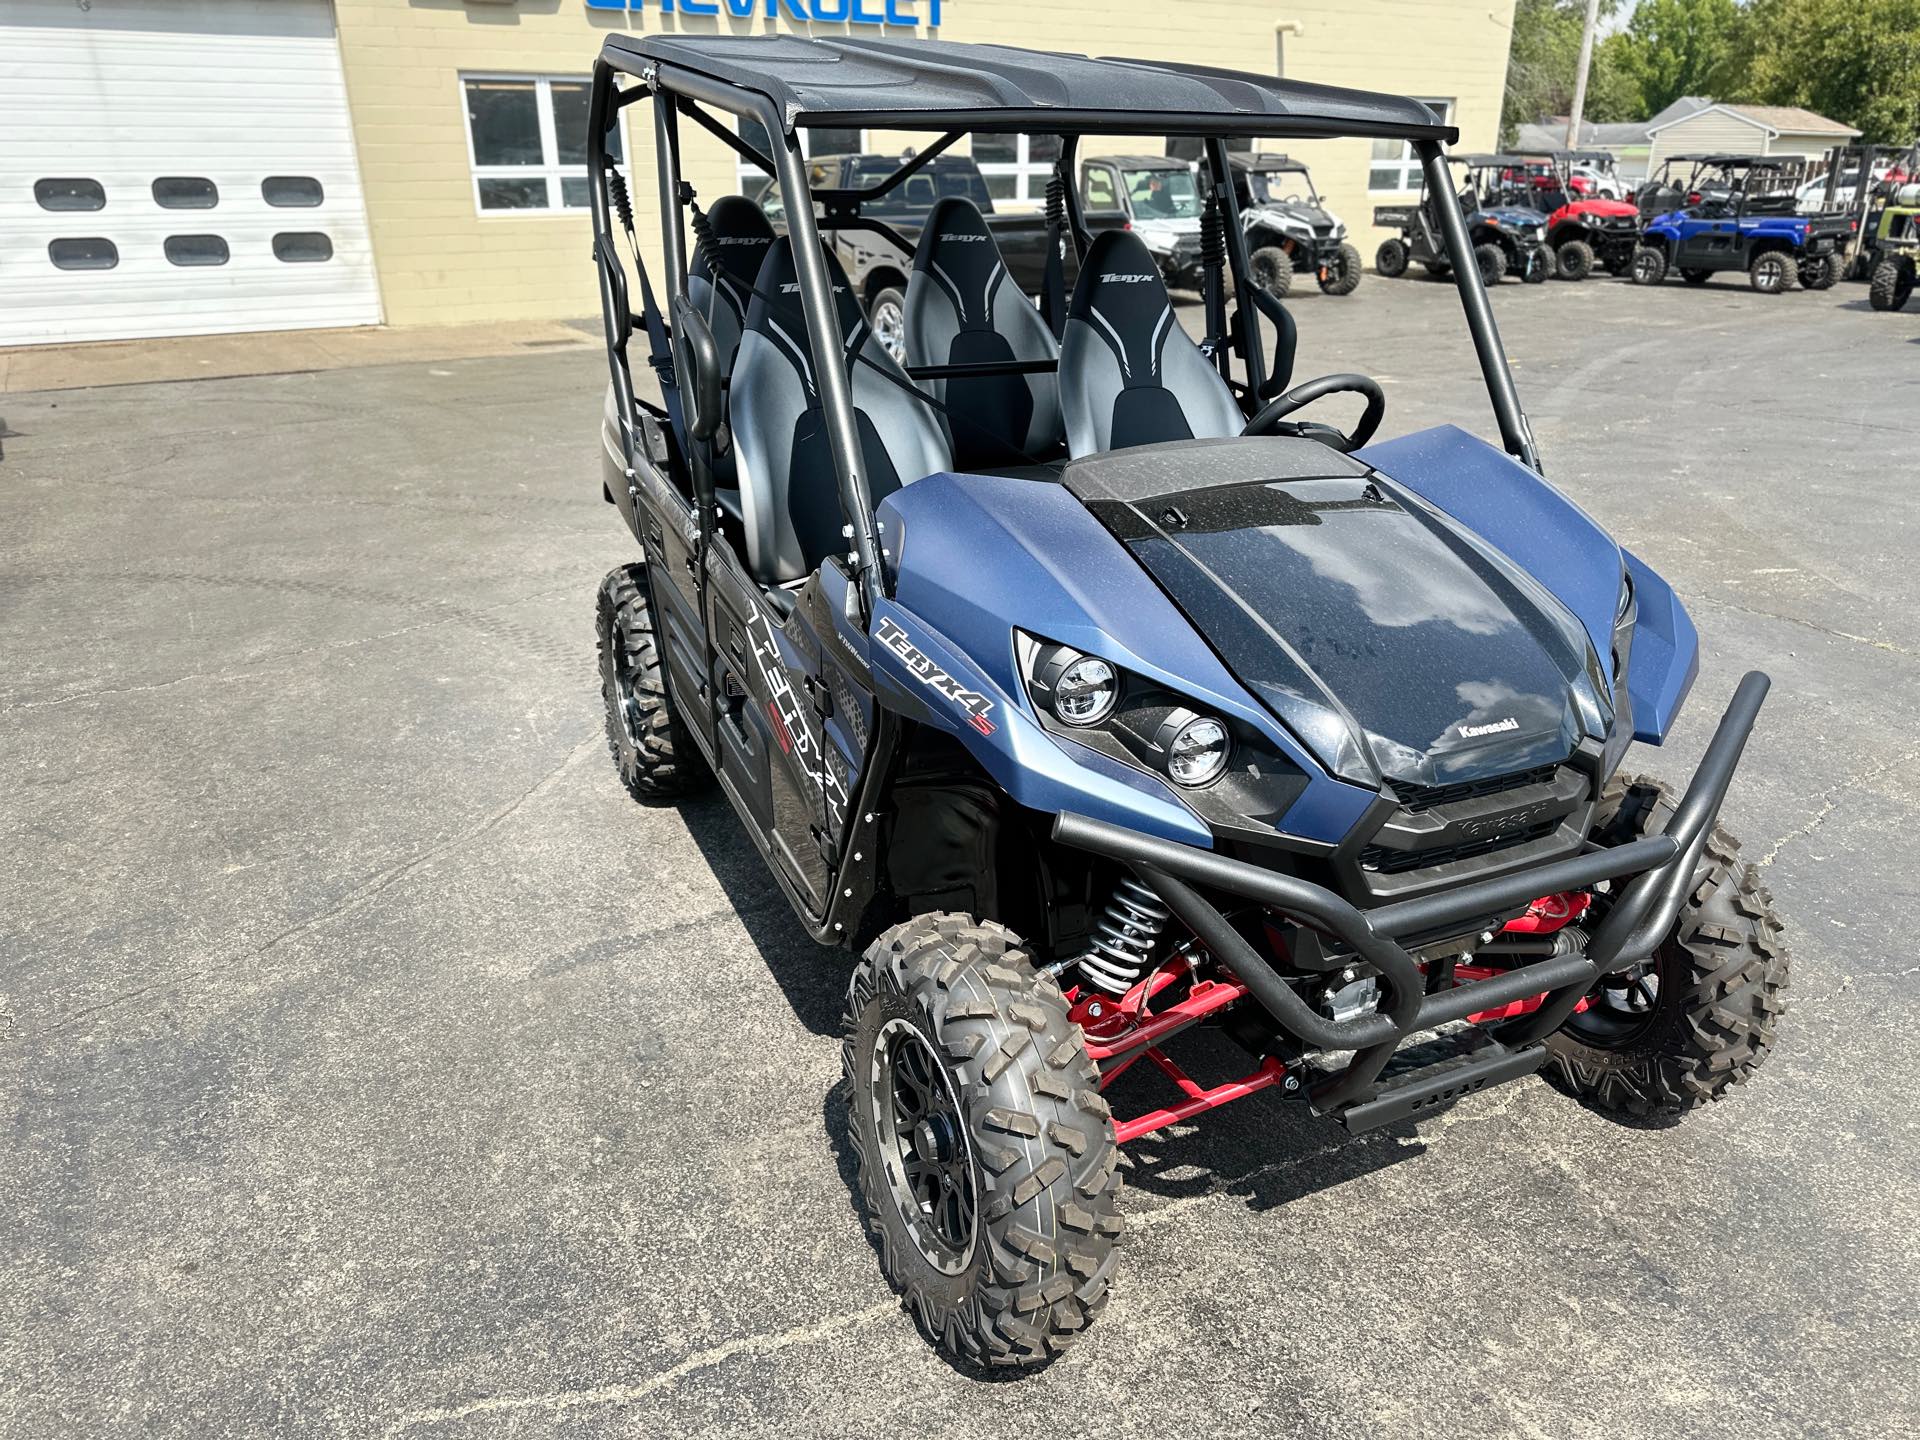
pixel 1494 727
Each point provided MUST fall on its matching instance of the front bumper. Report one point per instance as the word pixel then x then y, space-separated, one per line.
pixel 1660 869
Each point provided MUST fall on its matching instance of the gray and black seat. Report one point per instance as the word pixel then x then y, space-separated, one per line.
pixel 1128 373
pixel 964 309
pixel 789 496
pixel 720 279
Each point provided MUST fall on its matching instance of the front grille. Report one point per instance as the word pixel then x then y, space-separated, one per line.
pixel 1416 798
pixel 1384 861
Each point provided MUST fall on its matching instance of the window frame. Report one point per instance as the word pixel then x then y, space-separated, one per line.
pixel 1023 168
pixel 1407 163
pixel 550 171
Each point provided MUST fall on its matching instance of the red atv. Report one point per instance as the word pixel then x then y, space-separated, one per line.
pixel 1583 230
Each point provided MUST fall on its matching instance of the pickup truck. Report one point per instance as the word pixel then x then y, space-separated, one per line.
pixel 878 267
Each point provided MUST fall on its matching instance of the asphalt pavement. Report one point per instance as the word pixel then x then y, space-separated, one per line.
pixel 373 1066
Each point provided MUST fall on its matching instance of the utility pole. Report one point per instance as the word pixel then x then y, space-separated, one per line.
pixel 1580 76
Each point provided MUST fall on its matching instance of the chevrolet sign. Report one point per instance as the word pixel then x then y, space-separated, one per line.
pixel 827 12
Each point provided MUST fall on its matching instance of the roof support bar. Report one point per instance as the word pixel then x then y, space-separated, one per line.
pixel 1515 434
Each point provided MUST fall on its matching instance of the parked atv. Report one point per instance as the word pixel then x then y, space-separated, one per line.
pixel 1895 245
pixel 1090 691
pixel 1289 228
pixel 1161 205
pixel 1584 232
pixel 1747 221
pixel 1507 239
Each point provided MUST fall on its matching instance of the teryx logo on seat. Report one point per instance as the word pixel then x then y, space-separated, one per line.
pixel 977 706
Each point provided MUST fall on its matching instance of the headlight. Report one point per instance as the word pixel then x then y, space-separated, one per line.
pixel 1339 229
pixel 1085 692
pixel 1197 753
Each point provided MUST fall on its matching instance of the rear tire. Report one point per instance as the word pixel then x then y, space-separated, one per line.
pixel 1819 272
pixel 1892 284
pixel 1574 260
pixel 1697 1018
pixel 1770 272
pixel 1342 273
pixel 996 1207
pixel 654 753
pixel 1271 268
pixel 1492 261
pixel 1390 259
pixel 1649 266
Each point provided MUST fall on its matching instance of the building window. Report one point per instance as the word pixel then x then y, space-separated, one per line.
pixel 1395 168
pixel 527 140
pixel 70 194
pixel 1016 166
pixel 298 192
pixel 302 247
pixel 185 192
pixel 93 252
pixel 196 250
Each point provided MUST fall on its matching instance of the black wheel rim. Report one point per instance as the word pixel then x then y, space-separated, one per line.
pixel 626 694
pixel 923 1142
pixel 1622 1007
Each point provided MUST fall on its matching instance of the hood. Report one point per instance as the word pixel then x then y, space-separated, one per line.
pixel 1394 643
pixel 1515 216
pixel 1609 208
pixel 1161 233
pixel 1311 216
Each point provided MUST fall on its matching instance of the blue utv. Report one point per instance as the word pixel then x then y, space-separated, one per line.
pixel 1736 213
pixel 1090 691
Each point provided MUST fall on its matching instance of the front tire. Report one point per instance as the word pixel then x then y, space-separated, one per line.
pixel 1771 273
pixel 887 313
pixel 1390 259
pixel 1697 1018
pixel 1892 284
pixel 1341 274
pixel 1492 261
pixel 1819 272
pixel 1574 260
pixel 985 1152
pixel 1649 265
pixel 1271 268
pixel 654 753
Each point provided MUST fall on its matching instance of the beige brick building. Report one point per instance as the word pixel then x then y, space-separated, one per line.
pixel 449 187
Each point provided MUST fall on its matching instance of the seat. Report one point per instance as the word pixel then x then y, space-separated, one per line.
pixel 964 309
pixel 1128 373
pixel 740 236
pixel 789 496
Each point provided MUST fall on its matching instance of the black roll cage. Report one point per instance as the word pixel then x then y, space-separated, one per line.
pixel 690 92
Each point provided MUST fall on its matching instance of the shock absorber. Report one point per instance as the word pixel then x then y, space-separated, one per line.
pixel 1120 950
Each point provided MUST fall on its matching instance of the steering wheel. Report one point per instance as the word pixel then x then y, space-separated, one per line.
pixel 1267 420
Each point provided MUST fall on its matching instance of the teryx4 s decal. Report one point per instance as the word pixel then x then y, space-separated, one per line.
pixel 979 709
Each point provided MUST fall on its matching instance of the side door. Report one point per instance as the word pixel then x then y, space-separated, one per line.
pixel 1709 237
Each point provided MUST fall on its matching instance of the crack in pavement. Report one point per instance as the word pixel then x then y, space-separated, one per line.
pixel 1829 801
pixel 289 660
pixel 557 1401
pixel 1812 625
pixel 360 895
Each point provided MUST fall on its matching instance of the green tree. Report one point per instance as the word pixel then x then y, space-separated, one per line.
pixel 1673 48
pixel 1541 63
pixel 1856 61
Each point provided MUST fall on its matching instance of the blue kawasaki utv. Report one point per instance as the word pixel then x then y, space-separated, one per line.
pixel 1089 691
pixel 1736 213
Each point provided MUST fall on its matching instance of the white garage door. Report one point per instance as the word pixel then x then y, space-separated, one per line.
pixel 176 167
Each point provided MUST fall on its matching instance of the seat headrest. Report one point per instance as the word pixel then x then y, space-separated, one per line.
pixel 776 309
pixel 959 252
pixel 741 236
pixel 1121 296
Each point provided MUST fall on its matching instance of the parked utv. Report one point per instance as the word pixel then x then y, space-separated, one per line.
pixel 1742 215
pixel 875 260
pixel 1159 202
pixel 1507 239
pixel 1583 231
pixel 1897 250
pixel 1289 228
pixel 1089 691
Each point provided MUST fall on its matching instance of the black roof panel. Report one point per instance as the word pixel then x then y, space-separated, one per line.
pixel 938 84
